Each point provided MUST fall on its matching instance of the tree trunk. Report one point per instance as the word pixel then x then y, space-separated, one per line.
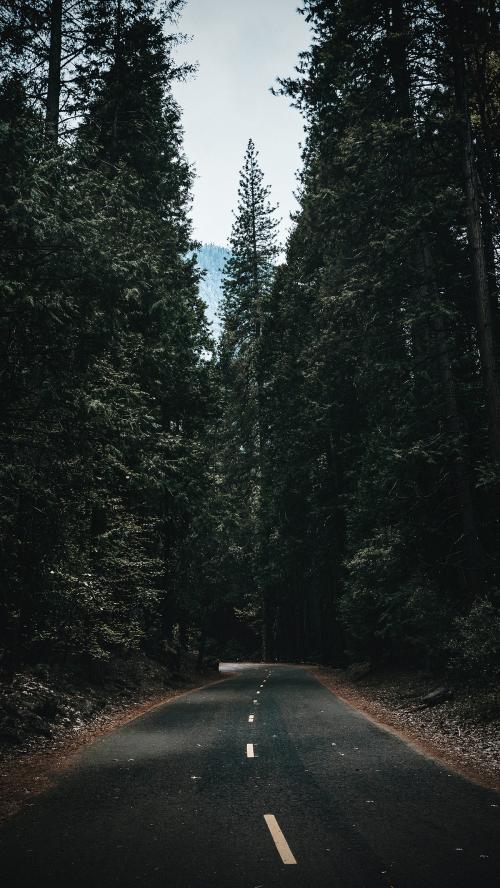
pixel 397 33
pixel 54 76
pixel 118 53
pixel 488 166
pixel 267 627
pixel 475 238
pixel 473 555
pixel 201 647
pixel 487 224
pixel 332 633
pixel 474 558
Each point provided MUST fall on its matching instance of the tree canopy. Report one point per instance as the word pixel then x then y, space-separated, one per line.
pixel 325 478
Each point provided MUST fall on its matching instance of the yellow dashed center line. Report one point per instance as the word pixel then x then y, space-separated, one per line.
pixel 282 846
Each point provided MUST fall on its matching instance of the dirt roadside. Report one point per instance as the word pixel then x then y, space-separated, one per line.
pixel 462 733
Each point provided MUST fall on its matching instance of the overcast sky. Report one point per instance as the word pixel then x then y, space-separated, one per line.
pixel 241 47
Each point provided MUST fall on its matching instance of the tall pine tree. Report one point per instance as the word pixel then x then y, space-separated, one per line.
pixel 248 277
pixel 106 387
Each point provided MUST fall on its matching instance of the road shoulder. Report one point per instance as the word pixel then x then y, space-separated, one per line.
pixel 26 774
pixel 453 733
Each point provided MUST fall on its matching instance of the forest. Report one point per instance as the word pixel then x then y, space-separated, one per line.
pixel 319 483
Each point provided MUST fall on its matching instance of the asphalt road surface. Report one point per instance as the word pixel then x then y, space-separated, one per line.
pixel 307 792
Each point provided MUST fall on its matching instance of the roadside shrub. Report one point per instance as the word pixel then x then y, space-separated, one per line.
pixel 388 613
pixel 475 642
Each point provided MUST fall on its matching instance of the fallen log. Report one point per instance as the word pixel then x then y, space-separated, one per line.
pixel 440 695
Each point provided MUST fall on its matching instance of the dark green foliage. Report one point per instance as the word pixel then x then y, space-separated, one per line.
pixel 106 391
pixel 377 530
pixel 247 281
pixel 333 477
pixel 474 642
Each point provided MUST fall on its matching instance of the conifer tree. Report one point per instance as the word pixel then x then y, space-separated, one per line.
pixel 104 337
pixel 372 330
pixel 248 277
pixel 40 42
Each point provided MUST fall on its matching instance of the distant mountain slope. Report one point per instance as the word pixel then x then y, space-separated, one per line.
pixel 211 258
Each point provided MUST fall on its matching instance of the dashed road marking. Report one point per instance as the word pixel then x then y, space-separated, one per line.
pixel 250 752
pixel 282 846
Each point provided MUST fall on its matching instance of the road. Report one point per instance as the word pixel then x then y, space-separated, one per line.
pixel 309 793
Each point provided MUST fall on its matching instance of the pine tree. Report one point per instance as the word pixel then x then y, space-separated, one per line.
pixel 107 390
pixel 465 22
pixel 248 277
pixel 39 42
pixel 131 132
pixel 372 331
